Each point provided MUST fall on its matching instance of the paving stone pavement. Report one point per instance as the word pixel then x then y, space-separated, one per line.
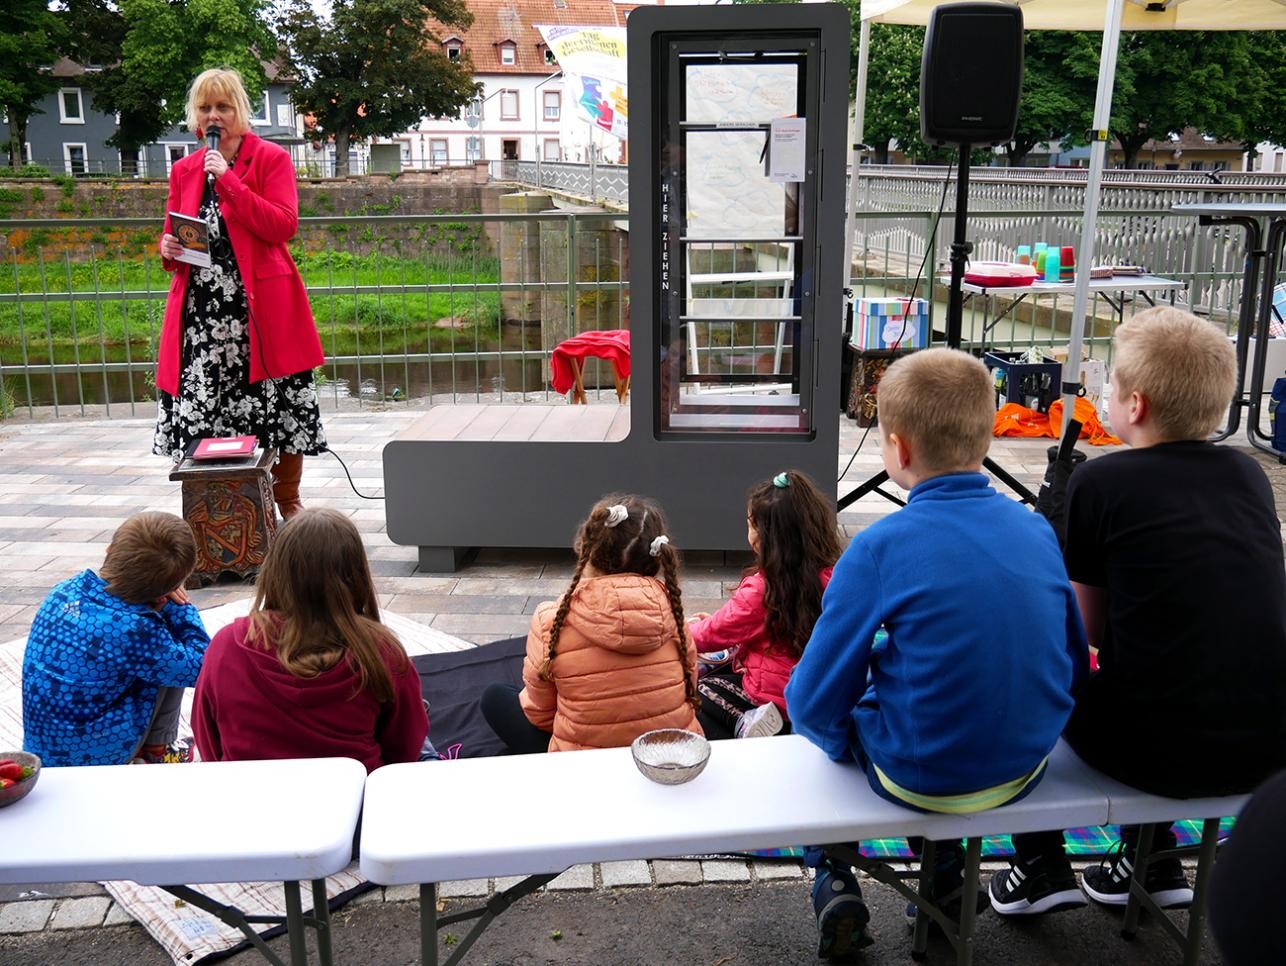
pixel 66 484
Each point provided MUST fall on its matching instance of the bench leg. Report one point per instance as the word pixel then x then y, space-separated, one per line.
pixel 321 913
pixel 578 387
pixel 969 901
pixel 1138 891
pixel 429 924
pixel 928 863
pixel 295 926
pixel 1197 912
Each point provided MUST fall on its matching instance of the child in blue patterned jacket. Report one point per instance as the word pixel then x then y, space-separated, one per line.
pixel 109 654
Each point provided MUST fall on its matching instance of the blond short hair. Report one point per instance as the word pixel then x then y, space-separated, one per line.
pixel 214 83
pixel 943 401
pixel 150 555
pixel 1183 366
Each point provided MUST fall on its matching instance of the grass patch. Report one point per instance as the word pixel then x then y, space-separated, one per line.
pixel 98 323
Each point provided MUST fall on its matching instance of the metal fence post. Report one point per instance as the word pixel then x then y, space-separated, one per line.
pixel 571 274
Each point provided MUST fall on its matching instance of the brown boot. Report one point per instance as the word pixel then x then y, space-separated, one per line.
pixel 286 473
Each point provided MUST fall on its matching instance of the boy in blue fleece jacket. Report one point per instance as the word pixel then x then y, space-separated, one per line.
pixel 109 655
pixel 959 708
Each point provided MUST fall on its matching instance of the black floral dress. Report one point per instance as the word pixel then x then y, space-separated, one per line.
pixel 216 396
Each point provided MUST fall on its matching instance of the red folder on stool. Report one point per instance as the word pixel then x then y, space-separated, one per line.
pixel 226 447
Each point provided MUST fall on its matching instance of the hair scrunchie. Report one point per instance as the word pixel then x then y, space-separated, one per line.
pixel 616 514
pixel 655 548
pixel 781 481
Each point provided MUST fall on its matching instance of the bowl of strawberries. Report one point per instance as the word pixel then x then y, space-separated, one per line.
pixel 18 774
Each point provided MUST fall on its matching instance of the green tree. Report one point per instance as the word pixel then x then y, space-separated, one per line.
pixel 1262 112
pixel 93 31
pixel 1167 80
pixel 1055 102
pixel 374 67
pixel 29 35
pixel 166 44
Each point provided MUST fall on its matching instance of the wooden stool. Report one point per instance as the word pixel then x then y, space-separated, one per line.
pixel 578 389
pixel 230 509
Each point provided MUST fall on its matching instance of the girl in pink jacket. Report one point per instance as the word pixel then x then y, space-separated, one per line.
pixel 791 528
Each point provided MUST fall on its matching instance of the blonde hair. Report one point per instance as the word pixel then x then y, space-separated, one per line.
pixel 1182 365
pixel 943 401
pixel 214 83
pixel 150 555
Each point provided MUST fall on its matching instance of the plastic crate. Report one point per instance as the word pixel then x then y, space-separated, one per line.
pixel 1034 385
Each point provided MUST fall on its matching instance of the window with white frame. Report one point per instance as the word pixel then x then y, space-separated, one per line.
pixel 438 151
pixel 552 150
pixel 473 149
pixel 553 101
pixel 453 53
pixel 508 105
pixel 259 115
pixel 508 55
pixel 74 158
pixel 70 108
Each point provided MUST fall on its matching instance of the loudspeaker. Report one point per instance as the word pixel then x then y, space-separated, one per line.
pixel 971 77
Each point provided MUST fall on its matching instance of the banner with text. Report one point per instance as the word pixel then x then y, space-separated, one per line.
pixel 593 63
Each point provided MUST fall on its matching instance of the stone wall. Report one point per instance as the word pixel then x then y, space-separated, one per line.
pixel 437 191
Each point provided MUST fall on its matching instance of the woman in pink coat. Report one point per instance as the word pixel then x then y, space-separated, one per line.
pixel 766 623
pixel 238 344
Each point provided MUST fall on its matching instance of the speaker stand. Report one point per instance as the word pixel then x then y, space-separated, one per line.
pixel 960 250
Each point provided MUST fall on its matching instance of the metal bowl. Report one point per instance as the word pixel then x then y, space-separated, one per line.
pixel 20 790
pixel 670 756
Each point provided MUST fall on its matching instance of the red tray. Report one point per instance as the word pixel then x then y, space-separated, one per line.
pixel 999 274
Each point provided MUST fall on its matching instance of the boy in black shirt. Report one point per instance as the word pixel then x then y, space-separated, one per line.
pixel 1174 549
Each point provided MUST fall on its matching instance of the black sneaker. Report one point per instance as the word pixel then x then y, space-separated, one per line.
pixel 841 915
pixel 1030 888
pixel 1109 883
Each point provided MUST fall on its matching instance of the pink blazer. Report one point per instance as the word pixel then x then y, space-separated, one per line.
pixel 260 206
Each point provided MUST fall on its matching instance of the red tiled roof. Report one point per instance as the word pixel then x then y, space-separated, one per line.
pixel 495 21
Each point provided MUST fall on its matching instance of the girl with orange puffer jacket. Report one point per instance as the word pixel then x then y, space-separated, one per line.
pixel 611 658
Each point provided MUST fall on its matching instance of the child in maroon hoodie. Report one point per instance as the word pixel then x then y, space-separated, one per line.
pixel 311 673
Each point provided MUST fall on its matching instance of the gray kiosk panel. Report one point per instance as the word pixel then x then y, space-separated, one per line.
pixel 736 221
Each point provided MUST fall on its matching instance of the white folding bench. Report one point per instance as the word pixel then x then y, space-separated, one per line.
pixel 248 821
pixel 596 807
pixel 1129 806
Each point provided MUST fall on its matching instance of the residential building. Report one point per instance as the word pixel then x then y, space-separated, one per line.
pixel 521 112
pixel 70 137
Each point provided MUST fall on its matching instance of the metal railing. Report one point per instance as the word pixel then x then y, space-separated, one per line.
pixel 469 307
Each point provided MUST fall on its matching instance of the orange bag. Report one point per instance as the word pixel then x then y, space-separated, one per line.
pixel 1013 419
pixel 1084 413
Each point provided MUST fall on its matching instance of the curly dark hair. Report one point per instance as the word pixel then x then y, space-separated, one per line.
pixel 798 537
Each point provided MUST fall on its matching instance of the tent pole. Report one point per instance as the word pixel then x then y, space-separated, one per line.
pixel 1098 157
pixel 859 133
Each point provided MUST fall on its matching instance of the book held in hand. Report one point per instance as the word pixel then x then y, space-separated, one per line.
pixel 225 448
pixel 194 235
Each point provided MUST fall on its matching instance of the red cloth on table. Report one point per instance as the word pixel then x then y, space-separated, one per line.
pixel 613 344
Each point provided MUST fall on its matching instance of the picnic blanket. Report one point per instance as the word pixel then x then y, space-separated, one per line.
pixel 186 933
pixel 453 681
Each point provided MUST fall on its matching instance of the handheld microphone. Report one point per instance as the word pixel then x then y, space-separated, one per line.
pixel 212 136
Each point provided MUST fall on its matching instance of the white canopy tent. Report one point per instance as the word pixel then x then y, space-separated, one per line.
pixel 1110 16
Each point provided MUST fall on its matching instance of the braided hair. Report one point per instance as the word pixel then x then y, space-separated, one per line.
pixel 626 548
